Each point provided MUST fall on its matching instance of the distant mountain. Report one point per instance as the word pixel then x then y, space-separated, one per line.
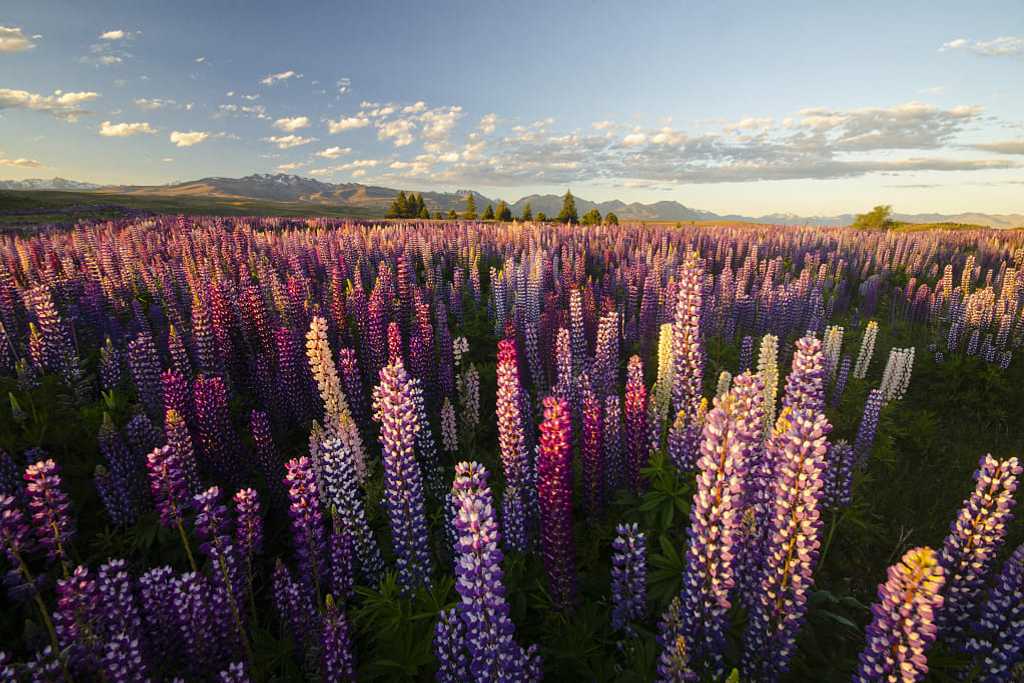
pixel 375 200
pixel 46 184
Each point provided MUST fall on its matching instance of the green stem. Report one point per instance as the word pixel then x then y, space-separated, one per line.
pixel 226 577
pixel 45 614
pixel 836 519
pixel 188 548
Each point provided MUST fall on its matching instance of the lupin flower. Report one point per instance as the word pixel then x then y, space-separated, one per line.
pixel 868 427
pixel 997 639
pixel 867 349
pixel 512 445
pixel 730 436
pixel 307 519
pixel 395 411
pixel 191 599
pixel 839 474
pixel 342 492
pixel 340 561
pixel 687 351
pixel 554 488
pixel 768 369
pixel 248 524
pixel 179 440
pixel 674 661
pixel 449 432
pixel 791 547
pixel 50 509
pixel 235 673
pixel 975 538
pixel 450 648
pixel 337 663
pixel 15 534
pixel 635 407
pixel 169 488
pixel 144 363
pixel 629 577
pixel 805 384
pixel 592 454
pixel 903 620
pixel 614 458
pixel 489 634
pixel 468 385
pixel 842 377
pixel 294 606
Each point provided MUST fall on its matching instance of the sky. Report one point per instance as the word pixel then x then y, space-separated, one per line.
pixel 735 107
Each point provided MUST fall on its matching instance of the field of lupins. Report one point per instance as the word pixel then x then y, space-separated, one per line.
pixel 271 449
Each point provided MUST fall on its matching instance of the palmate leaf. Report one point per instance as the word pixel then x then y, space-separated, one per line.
pixel 666 575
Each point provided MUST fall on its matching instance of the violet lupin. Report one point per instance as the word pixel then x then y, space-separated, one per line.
pixel 294 606
pixel 50 510
pixel 212 527
pixel 903 620
pixel 997 639
pixel 489 635
pixel 629 577
pixel 687 351
pixel 395 411
pixel 450 648
pixel 975 538
pixel 805 384
pixel 635 406
pixel 790 548
pixel 839 474
pixel 512 445
pixel 731 434
pixel 191 600
pixel 592 455
pixel 170 493
pixel 554 488
pixel 868 427
pixel 337 662
pixel 674 661
pixel 248 531
pixel 307 520
pixel 340 552
pixel 342 492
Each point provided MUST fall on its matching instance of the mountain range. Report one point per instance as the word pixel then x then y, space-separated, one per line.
pixel 375 200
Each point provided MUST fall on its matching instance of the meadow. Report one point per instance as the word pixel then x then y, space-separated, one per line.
pixel 309 448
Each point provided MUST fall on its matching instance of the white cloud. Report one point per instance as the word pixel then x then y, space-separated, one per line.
pixel 167 160
pixel 344 86
pixel 603 125
pixel 748 123
pixel 284 168
pixel 634 139
pixel 200 60
pixel 415 108
pixel 1002 147
pixel 256 111
pixel 123 130
pixel 192 137
pixel 347 123
pixel 63 105
pixel 334 152
pixel 117 34
pixel 292 124
pixel 1003 46
pixel 150 104
pixel 288 141
pixel 271 79
pixel 488 122
pixel 21 163
pixel 12 39
pixel 399 131
pixel 668 136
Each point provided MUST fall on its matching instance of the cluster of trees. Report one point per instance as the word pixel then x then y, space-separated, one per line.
pixel 413 206
pixel 878 218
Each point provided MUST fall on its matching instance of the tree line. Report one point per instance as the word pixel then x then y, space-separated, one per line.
pixel 413 206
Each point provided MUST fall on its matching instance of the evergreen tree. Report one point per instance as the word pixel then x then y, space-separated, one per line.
pixel 541 216
pixel 488 213
pixel 503 212
pixel 452 216
pixel 424 213
pixel 399 207
pixel 568 213
pixel 421 206
pixel 611 219
pixel 592 217
pixel 470 214
pixel 438 216
pixel 527 212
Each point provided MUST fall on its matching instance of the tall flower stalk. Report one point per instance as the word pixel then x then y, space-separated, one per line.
pixel 554 486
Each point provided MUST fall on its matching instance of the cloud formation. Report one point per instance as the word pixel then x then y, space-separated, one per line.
pixel 1002 147
pixel 288 141
pixel 1003 46
pixel 292 124
pixel 347 123
pixel 334 152
pixel 190 138
pixel 63 105
pixel 124 130
pixel 271 79
pixel 21 163
pixel 13 39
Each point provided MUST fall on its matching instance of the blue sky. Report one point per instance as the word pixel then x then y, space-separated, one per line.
pixel 727 106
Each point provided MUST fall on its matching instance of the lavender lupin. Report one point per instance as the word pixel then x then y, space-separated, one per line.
pixel 975 538
pixel 629 577
pixel 903 625
pixel 307 520
pixel 337 663
pixel 997 639
pixel 50 509
pixel 450 648
pixel 394 409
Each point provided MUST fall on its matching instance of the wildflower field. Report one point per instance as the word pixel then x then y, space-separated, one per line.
pixel 271 449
